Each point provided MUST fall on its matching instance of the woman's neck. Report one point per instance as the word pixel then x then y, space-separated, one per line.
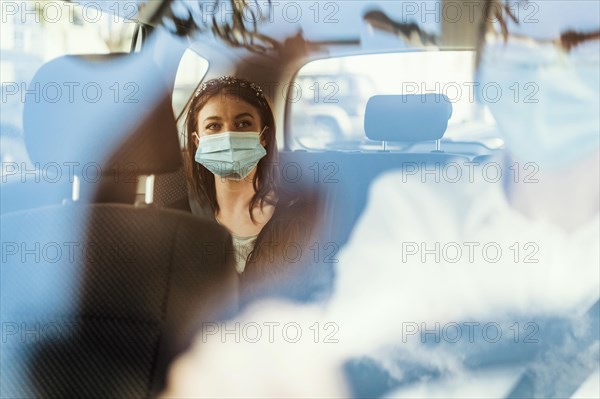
pixel 568 198
pixel 234 199
pixel 234 195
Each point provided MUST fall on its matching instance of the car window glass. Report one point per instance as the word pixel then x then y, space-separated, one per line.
pixel 329 112
pixel 190 73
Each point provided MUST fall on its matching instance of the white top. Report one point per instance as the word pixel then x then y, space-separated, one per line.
pixel 242 247
pixel 402 263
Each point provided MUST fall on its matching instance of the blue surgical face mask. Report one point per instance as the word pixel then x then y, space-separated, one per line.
pixel 231 155
pixel 548 110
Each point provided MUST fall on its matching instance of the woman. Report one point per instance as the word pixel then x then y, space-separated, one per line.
pixel 233 174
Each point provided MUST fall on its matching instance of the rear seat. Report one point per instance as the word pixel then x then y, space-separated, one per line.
pixel 343 179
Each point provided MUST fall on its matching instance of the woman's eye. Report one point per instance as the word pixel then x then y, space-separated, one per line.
pixel 213 126
pixel 243 124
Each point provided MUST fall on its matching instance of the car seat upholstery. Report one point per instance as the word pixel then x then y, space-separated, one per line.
pixel 170 190
pixel 408 117
pixel 99 295
pixel 345 177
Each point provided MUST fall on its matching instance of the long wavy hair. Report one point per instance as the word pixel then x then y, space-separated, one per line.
pixel 200 179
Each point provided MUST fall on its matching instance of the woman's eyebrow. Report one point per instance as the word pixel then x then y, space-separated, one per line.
pixel 212 118
pixel 243 115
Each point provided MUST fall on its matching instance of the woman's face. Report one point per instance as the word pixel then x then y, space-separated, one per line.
pixel 227 113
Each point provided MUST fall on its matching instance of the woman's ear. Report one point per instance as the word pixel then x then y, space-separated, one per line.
pixel 196 138
pixel 263 142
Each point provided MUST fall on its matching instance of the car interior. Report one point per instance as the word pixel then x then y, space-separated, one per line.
pixel 127 271
pixel 145 272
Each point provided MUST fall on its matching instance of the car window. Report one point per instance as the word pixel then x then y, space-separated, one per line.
pixel 34 32
pixel 327 112
pixel 192 69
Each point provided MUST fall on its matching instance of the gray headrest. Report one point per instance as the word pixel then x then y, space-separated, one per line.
pixel 109 110
pixel 410 117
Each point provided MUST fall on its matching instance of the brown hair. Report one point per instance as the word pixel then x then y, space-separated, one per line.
pixel 200 179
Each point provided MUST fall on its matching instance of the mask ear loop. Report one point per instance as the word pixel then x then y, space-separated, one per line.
pixel 197 138
pixel 260 135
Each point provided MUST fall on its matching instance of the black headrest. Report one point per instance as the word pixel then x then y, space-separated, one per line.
pixel 410 117
pixel 107 111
